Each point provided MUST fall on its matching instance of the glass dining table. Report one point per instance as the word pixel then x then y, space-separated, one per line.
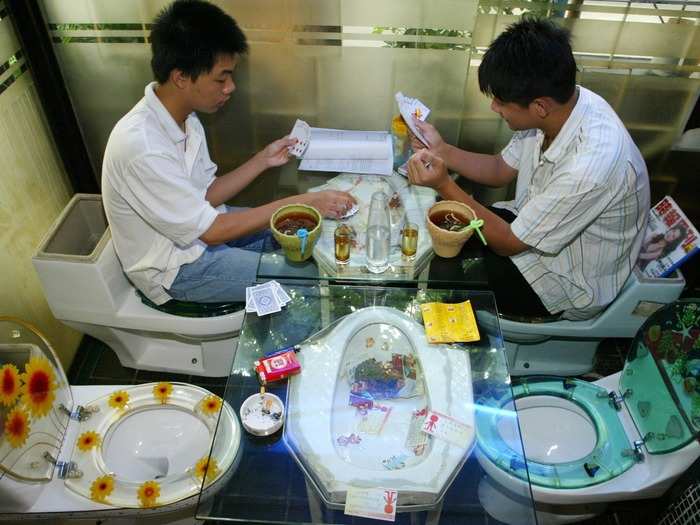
pixel 407 203
pixel 376 407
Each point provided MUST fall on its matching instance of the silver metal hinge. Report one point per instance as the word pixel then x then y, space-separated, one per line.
pixel 79 413
pixel 637 452
pixel 617 399
pixel 64 469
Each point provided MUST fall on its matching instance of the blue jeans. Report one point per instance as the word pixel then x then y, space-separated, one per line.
pixel 222 273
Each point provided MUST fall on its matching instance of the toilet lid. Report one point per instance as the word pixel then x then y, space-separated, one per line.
pixel 609 456
pixel 148 445
pixel 33 388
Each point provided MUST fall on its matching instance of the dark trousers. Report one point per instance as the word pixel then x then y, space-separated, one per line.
pixel 514 295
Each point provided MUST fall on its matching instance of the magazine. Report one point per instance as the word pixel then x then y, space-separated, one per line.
pixel 670 240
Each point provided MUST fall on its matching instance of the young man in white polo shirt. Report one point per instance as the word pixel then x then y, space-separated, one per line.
pixel 570 238
pixel 173 233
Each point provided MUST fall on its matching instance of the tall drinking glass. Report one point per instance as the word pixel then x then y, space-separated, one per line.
pixel 378 233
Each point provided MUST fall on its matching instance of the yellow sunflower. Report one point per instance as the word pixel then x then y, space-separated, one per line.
pixel 211 405
pixel 17 427
pixel 88 440
pixel 148 493
pixel 119 399
pixel 101 488
pixel 206 467
pixel 162 391
pixel 9 384
pixel 38 390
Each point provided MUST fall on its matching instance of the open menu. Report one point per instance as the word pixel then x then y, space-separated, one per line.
pixel 349 151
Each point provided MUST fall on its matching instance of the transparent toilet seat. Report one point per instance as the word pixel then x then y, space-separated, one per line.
pixel 608 455
pixel 149 445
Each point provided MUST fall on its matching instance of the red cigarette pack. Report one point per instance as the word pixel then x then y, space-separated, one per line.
pixel 277 367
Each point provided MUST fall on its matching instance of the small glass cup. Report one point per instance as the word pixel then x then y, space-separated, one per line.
pixel 409 240
pixel 343 240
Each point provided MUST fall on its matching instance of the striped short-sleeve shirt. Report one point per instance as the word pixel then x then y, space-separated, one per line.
pixel 581 207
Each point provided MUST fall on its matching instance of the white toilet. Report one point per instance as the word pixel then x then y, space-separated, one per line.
pixel 86 288
pixel 568 347
pixel 341 436
pixel 627 436
pixel 97 451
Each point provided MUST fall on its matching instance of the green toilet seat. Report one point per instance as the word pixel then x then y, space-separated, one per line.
pixel 610 457
pixel 190 309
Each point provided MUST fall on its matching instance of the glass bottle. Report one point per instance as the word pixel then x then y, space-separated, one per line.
pixel 378 233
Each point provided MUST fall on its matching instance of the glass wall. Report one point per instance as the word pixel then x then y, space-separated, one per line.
pixel 34 189
pixel 338 63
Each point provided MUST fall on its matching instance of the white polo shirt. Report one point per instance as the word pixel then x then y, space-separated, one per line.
pixel 581 206
pixel 154 181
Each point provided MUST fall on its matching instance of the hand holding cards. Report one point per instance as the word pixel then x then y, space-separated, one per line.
pixel 411 108
pixel 265 298
pixel 302 132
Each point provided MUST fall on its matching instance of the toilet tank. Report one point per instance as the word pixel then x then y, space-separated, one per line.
pixel 76 263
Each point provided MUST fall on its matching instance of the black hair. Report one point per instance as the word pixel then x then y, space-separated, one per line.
pixel 189 35
pixel 530 59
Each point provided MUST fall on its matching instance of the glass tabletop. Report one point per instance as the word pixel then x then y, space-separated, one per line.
pixel 375 409
pixel 467 269
pixel 406 204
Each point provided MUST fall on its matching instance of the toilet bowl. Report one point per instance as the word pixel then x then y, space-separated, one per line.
pixel 626 436
pixel 354 415
pixel 86 288
pixel 97 450
pixel 568 348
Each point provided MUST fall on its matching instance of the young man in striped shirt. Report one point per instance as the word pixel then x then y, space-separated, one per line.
pixel 568 241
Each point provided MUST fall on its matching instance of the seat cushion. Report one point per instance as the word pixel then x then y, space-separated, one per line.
pixel 190 309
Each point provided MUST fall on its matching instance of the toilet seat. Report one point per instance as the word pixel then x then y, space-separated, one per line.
pixel 132 447
pixel 610 455
pixel 194 408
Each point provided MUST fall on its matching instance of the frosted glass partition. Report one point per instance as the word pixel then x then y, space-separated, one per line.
pixel 337 63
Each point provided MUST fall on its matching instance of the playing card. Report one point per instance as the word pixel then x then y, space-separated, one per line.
pixel 249 306
pixel 265 300
pixel 352 211
pixel 302 132
pixel 410 108
pixel 282 296
pixel 403 169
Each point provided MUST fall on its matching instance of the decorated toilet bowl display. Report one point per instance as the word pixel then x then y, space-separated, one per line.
pixel 142 446
pixel 354 415
pixel 627 436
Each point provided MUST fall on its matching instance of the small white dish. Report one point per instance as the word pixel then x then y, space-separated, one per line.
pixel 262 414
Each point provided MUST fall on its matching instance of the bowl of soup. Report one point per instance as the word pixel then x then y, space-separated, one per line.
pixel 286 224
pixel 448 223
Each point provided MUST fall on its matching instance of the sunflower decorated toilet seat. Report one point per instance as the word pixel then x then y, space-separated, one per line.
pixel 142 446
pixel 167 476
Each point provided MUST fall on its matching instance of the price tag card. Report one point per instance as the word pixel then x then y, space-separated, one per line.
pixel 378 504
pixel 447 428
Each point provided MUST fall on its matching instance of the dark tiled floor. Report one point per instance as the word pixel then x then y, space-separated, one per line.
pixel 95 363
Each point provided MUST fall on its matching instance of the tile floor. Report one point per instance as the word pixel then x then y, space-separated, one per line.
pixel 95 363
